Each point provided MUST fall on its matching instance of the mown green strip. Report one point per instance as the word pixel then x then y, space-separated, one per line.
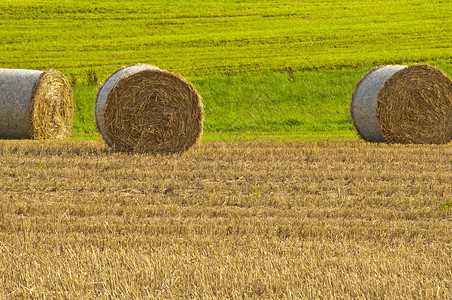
pixel 198 38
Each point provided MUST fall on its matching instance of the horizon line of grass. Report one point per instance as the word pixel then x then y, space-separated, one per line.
pixel 337 135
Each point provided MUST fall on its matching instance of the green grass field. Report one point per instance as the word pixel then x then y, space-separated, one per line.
pixel 270 66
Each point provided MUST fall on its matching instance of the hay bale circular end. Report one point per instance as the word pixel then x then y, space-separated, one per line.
pixel 143 109
pixel 35 104
pixel 404 104
pixel 52 107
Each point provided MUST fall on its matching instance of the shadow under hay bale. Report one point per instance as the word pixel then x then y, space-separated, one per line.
pixel 403 104
pixel 35 105
pixel 141 108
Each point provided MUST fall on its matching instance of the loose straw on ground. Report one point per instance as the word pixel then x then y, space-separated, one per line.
pixel 141 108
pixel 404 104
pixel 35 105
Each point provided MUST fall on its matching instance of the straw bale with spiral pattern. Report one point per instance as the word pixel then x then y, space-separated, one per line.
pixel 35 104
pixel 141 108
pixel 403 104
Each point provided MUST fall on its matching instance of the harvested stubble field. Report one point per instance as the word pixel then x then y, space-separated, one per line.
pixel 229 219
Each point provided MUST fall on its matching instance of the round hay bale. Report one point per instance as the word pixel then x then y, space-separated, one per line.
pixel 141 108
pixel 403 104
pixel 35 105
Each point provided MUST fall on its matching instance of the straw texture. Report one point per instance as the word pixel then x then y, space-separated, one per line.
pixel 35 104
pixel 404 104
pixel 143 109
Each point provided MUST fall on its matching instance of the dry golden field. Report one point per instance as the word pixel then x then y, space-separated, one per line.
pixel 229 219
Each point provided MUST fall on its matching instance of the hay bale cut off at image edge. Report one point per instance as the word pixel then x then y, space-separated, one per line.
pixel 35 104
pixel 403 104
pixel 141 108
